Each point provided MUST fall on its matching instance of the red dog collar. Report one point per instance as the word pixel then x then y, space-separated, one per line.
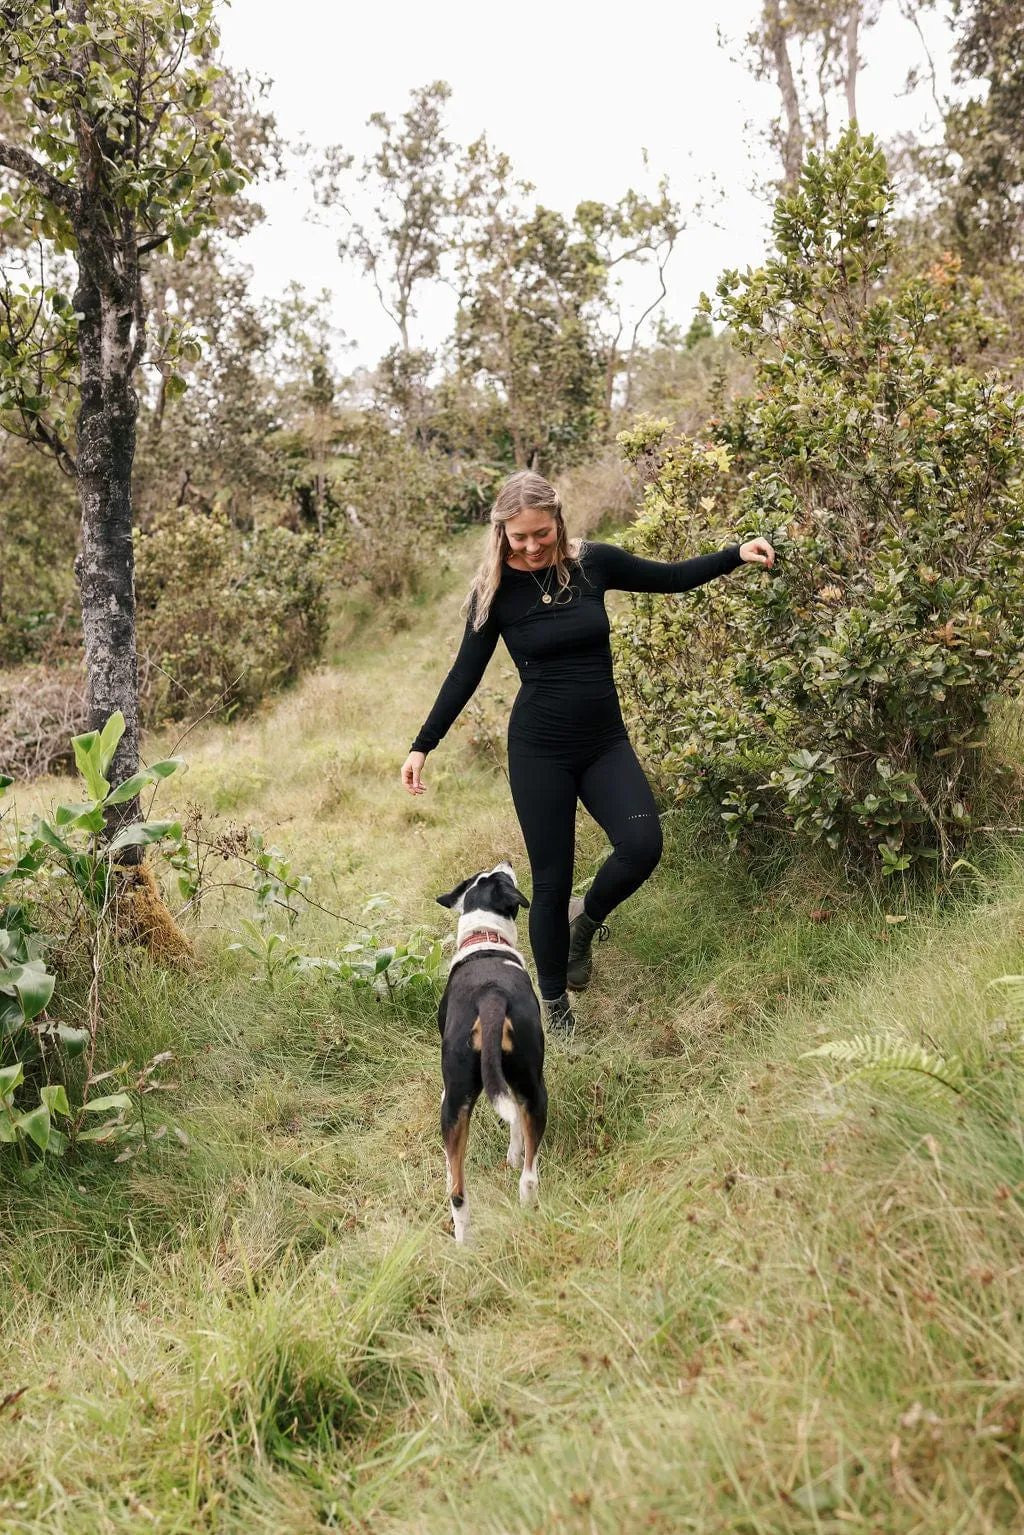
pixel 486 935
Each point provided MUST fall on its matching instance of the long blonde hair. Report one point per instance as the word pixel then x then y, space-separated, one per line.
pixel 522 492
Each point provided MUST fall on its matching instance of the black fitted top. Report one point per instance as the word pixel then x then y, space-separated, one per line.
pixel 562 650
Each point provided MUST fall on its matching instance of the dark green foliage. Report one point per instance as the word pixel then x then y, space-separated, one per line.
pixel 224 617
pixel 847 696
pixel 38 533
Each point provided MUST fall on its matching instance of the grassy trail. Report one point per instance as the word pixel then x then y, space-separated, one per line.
pixel 748 1302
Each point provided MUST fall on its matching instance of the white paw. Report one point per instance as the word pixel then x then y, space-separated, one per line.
pixel 529 1187
pixel 515 1157
pixel 462 1231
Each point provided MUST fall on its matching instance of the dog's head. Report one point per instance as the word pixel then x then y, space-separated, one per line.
pixel 493 891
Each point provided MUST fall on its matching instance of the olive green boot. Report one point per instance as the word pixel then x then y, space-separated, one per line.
pixel 581 936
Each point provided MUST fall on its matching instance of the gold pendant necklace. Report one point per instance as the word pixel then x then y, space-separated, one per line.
pixel 545 595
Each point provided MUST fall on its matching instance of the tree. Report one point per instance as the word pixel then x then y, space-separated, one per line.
pixel 526 323
pixel 118 151
pixel 637 231
pixel 810 48
pixel 402 243
pixel 981 169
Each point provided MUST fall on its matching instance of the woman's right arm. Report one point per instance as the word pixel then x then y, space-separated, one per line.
pixel 457 689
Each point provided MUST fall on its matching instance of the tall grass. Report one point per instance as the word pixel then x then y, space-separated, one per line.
pixel 753 1299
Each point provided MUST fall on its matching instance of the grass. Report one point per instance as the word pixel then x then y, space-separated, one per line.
pixel 751 1300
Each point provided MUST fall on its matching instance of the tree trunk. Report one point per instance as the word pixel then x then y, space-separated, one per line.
pixel 852 61
pixel 793 143
pixel 105 566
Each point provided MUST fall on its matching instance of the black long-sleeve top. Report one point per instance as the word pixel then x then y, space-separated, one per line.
pixel 562 650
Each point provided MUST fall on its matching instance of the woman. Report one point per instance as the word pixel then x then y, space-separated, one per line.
pixel 566 739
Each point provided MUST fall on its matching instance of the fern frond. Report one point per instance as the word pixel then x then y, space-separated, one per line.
pixel 885 1054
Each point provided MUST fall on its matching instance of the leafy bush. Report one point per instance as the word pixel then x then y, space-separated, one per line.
pixel 67 857
pixel 847 696
pixel 224 618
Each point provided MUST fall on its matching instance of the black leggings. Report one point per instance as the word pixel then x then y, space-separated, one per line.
pixel 611 784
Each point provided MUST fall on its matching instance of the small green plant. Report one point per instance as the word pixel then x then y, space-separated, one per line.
pixel 366 963
pixel 68 853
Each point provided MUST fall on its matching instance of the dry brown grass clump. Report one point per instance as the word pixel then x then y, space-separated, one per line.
pixel 594 492
pixel 41 708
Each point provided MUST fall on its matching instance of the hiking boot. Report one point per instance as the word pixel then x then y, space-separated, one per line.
pixel 581 935
pixel 559 1016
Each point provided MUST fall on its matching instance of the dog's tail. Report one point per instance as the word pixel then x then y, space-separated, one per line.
pixel 496 1036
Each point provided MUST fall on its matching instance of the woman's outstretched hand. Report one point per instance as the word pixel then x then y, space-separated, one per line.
pixel 412 767
pixel 757 551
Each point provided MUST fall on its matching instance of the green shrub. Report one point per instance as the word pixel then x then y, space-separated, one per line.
pixel 224 618
pixel 847 696
pixel 399 502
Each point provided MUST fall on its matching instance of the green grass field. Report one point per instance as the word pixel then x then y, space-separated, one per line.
pixel 751 1299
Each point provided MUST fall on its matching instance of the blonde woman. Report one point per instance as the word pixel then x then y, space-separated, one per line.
pixel 544 595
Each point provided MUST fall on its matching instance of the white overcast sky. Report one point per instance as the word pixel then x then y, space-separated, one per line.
pixel 572 92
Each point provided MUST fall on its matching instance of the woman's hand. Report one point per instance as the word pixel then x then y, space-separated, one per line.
pixel 412 767
pixel 757 551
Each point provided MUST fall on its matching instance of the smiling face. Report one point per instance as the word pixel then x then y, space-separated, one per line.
pixel 532 537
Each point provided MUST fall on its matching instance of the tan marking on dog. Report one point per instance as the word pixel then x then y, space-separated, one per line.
pixel 475 1038
pixel 507 1042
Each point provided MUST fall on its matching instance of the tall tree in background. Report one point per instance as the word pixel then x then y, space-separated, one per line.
pixel 401 243
pixel 526 321
pixel 810 48
pixel 116 149
pixel 635 231
pixel 982 168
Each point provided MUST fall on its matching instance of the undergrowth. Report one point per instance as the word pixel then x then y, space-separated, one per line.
pixel 757 1296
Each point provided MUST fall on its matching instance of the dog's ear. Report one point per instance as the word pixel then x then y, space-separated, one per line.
pixel 520 898
pixel 454 897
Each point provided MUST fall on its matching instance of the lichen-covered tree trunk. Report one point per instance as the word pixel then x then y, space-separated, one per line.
pixel 105 565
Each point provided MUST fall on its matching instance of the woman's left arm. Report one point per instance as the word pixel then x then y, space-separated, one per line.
pixel 629 573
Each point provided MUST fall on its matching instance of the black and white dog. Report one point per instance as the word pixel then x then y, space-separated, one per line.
pixel 491 1034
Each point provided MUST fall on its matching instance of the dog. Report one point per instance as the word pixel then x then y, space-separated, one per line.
pixel 491 1034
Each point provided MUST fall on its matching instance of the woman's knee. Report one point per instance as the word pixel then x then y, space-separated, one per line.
pixel 641 844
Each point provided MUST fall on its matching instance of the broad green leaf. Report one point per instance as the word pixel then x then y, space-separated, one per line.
pixel 58 1143
pixel 73 1040
pixel 56 1099
pixel 88 760
pixel 33 983
pixel 11 1077
pixel 36 1125
pixel 45 832
pixel 8 1134
pixel 128 790
pixel 142 833
pixel 5 782
pixel 88 817
pixel 109 1104
pixel 110 739
pixel 168 766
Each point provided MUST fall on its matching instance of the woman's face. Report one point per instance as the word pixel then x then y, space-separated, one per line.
pixel 532 536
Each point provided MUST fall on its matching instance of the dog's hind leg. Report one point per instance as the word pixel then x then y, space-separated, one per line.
pixel 455 1129
pixel 516 1144
pixel 534 1118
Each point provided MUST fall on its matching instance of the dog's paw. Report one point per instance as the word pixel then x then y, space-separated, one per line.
pixel 529 1188
pixel 514 1159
